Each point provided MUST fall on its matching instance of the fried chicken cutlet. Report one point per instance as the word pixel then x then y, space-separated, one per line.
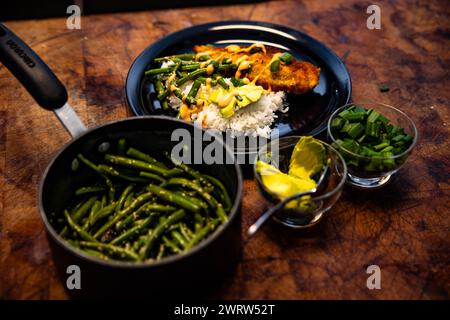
pixel 296 77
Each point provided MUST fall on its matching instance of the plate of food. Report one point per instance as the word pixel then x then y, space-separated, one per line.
pixel 241 77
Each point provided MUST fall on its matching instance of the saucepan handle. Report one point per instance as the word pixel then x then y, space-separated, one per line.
pixel 31 71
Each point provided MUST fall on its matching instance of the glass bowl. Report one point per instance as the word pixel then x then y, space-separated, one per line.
pixel 305 211
pixel 374 172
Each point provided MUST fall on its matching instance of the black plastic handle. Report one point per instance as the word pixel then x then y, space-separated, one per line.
pixel 31 71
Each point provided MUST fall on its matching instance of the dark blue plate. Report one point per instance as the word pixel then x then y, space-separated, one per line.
pixel 308 113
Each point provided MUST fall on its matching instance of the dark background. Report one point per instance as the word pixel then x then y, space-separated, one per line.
pixel 31 9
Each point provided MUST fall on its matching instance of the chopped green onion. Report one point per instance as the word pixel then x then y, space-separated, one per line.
pixel 286 57
pixel 275 66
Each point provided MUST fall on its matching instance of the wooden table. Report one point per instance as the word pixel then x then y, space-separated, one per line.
pixel 403 228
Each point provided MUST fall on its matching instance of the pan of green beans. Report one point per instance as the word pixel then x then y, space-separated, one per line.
pixel 116 202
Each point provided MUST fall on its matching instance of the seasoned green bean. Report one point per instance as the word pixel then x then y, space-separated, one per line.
pixel 156 233
pixel 223 191
pixel 113 172
pixel 102 213
pixel 202 233
pixel 134 153
pixel 85 190
pixel 183 56
pixel 136 164
pixel 82 233
pixel 171 245
pixel 160 251
pixel 125 212
pixel 123 197
pixel 133 231
pixel 166 195
pixel 115 250
pixel 80 213
pixel 153 176
pixel 196 187
pixel 179 238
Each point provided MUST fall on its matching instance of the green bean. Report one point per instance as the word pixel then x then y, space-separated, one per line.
pixel 171 245
pixel 190 67
pixel 157 232
pixel 115 250
pixel 177 66
pixel 202 233
pixel 128 200
pixel 102 213
pixel 122 224
pixel 85 190
pixel 94 209
pixel 165 105
pixel 179 238
pixel 179 95
pixel 194 200
pixel 204 57
pixel 160 251
pixel 80 213
pixel 190 171
pixel 104 201
pixel 224 67
pixel 223 191
pixel 194 89
pixel 183 56
pixel 166 195
pixel 156 71
pixel 113 172
pixel 136 164
pixel 134 153
pixel 162 96
pixel 191 76
pixel 96 253
pixel 123 197
pixel 148 208
pixel 221 81
pixel 133 231
pixel 193 186
pixel 221 213
pixel 153 176
pixel 198 222
pixel 125 212
pixel 185 231
pixel 159 88
pixel 96 169
pixel 121 146
pixel 82 233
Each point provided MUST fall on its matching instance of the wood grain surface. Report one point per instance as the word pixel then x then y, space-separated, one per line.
pixel 403 228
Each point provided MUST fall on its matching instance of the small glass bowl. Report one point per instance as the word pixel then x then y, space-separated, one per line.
pixel 306 211
pixel 358 176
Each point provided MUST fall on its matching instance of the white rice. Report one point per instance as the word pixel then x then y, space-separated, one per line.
pixel 254 119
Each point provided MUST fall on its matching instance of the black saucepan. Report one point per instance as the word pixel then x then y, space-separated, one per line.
pixel 180 275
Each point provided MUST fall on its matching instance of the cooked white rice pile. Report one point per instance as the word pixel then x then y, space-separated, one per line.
pixel 254 119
